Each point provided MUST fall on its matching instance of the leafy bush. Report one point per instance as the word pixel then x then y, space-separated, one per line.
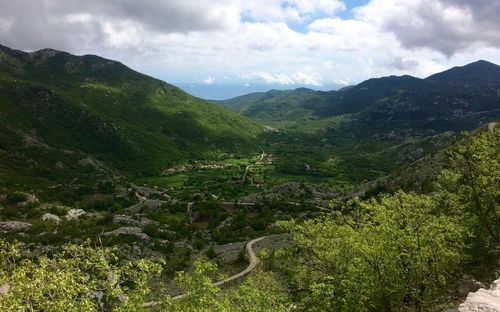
pixel 70 280
pixel 16 198
pixel 151 230
pixel 259 293
pixel 211 252
pixel 400 251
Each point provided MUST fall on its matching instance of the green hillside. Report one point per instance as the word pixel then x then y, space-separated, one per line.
pixel 62 115
pixel 457 99
pixel 377 126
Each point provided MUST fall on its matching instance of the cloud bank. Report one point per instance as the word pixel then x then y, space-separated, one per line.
pixel 288 42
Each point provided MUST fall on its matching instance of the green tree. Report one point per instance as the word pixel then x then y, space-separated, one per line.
pixel 400 251
pixel 211 252
pixel 474 176
pixel 260 292
pixel 73 280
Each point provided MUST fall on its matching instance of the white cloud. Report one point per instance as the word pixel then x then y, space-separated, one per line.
pixel 299 77
pixel 284 10
pixel 209 80
pixel 311 79
pixel 181 41
pixel 269 78
pixel 342 82
pixel 447 26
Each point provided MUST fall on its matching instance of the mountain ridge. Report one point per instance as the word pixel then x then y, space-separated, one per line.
pixel 365 95
pixel 471 72
pixel 53 103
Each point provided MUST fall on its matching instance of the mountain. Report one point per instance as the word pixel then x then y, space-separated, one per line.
pixel 275 105
pixel 480 72
pixel 62 116
pixel 457 99
pixel 244 102
pixel 375 127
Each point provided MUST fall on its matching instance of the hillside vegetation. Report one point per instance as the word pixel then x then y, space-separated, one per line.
pixel 399 252
pixel 60 113
pixel 119 192
pixel 376 127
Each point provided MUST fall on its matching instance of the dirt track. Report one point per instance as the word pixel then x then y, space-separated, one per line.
pixel 253 261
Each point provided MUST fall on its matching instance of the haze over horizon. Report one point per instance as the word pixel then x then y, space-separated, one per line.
pixel 224 48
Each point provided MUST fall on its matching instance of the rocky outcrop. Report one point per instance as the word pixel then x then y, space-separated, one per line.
pixel 48 217
pixel 128 230
pixel 155 204
pixel 467 285
pixel 126 220
pixel 43 55
pixel 4 289
pixel 75 214
pixel 13 226
pixel 483 300
pixel 225 223
pixel 32 140
pixel 91 162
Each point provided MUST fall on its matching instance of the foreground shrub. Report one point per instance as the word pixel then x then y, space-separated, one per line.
pixel 77 278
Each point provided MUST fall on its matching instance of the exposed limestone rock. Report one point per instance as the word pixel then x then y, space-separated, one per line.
pixel 51 218
pixel 126 220
pixel 31 199
pixel 228 253
pixel 71 68
pixel 143 193
pixel 75 214
pixel 147 203
pixel 43 55
pixel 97 296
pixel 32 140
pixel 483 300
pixel 92 162
pixel 4 289
pixel 225 223
pixel 468 284
pixel 128 230
pixel 154 203
pixel 146 221
pixel 13 226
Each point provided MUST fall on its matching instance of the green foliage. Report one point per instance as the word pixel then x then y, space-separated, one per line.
pixel 370 130
pixel 400 254
pixel 211 252
pixel 258 293
pixel 16 198
pixel 151 230
pixel 100 117
pixel 473 178
pixel 73 279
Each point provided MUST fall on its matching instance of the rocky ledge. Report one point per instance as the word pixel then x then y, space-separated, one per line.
pixel 483 300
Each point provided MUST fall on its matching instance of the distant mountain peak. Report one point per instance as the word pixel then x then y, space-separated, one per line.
pixel 303 89
pixel 482 63
pixel 44 54
pixel 474 72
pixel 46 51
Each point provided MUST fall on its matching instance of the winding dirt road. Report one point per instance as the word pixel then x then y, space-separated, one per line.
pixel 247 168
pixel 253 261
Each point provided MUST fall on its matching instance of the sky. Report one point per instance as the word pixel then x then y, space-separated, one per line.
pixel 222 48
